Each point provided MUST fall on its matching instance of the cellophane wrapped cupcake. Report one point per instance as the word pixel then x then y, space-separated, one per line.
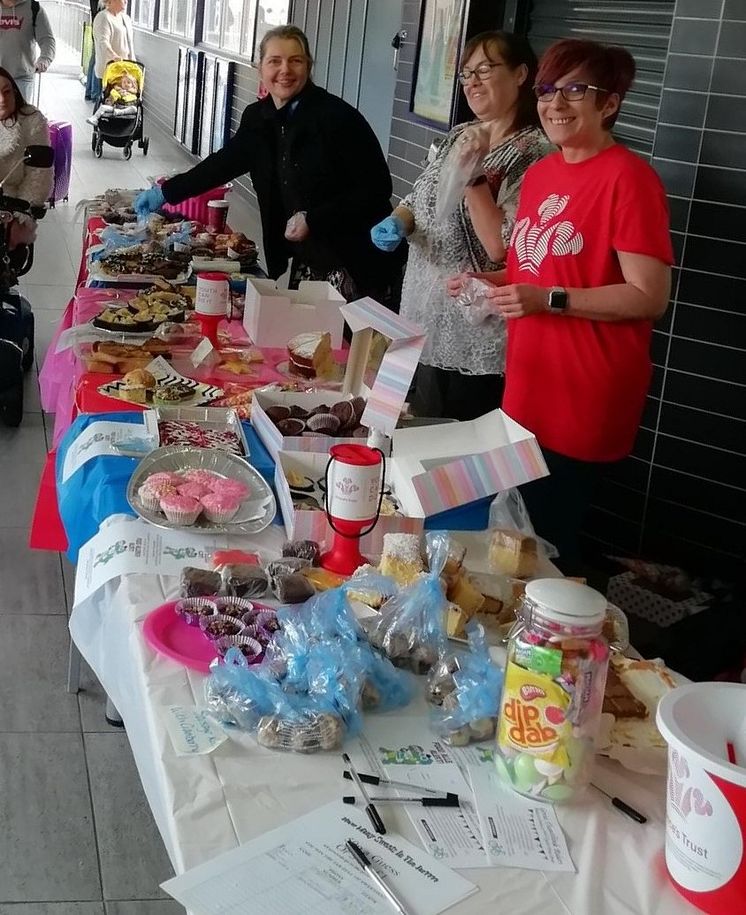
pixel 194 609
pixel 237 607
pixel 215 627
pixel 249 647
pixel 180 509
pixel 151 492
pixel 220 508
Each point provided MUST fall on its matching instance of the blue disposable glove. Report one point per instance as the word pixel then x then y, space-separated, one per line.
pixel 388 234
pixel 149 201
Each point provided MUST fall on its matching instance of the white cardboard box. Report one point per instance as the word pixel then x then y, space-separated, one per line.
pixel 385 396
pixel 273 316
pixel 312 525
pixel 432 472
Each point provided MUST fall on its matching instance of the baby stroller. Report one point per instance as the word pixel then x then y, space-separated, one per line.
pixel 16 317
pixel 121 130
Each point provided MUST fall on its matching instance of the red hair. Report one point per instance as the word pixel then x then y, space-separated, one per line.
pixel 608 66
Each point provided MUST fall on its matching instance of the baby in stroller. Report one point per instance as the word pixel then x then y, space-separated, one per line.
pixel 120 100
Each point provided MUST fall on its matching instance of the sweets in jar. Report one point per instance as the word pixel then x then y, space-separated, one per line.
pixel 553 690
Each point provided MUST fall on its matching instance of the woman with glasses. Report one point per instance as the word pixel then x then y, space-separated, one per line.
pixel 588 273
pixel 461 370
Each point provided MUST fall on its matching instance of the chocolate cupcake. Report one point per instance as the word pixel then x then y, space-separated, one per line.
pixel 360 432
pixel 234 607
pixel 322 408
pixel 345 413
pixel 291 426
pixel 277 413
pixel 325 423
pixel 194 609
pixel 249 646
pixel 215 627
pixel 358 405
pixel 298 412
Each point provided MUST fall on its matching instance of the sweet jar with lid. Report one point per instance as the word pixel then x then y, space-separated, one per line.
pixel 553 690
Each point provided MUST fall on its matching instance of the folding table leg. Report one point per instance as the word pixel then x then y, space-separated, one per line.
pixel 73 668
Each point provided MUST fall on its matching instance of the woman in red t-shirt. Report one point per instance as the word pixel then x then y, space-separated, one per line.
pixel 588 272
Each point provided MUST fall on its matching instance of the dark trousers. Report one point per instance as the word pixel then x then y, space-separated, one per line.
pixel 559 503
pixel 449 394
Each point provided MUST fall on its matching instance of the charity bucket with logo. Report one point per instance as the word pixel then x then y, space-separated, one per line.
pixel 704 725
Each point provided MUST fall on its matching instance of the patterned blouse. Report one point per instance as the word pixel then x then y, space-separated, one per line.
pixel 438 250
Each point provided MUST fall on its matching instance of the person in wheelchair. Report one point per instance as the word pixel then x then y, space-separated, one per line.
pixel 21 125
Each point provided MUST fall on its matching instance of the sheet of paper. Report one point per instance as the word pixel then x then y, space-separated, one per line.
pixel 130 546
pixel 102 438
pixel 304 868
pixel 451 834
pixel 516 831
pixel 192 731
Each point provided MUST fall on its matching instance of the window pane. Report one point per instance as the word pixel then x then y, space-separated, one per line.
pixel 183 17
pixel 247 30
pixel 211 28
pixel 233 25
pixel 146 12
pixel 164 19
pixel 269 14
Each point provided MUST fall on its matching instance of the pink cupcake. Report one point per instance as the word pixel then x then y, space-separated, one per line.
pixel 173 478
pixel 219 507
pixel 231 488
pixel 193 490
pixel 151 493
pixel 180 509
pixel 205 477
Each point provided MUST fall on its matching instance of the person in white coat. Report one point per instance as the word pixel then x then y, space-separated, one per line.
pixel 113 36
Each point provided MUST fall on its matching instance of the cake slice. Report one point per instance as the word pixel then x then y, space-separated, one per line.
pixel 310 355
pixel 512 553
pixel 401 558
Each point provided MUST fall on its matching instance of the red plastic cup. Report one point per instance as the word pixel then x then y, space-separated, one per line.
pixel 217 216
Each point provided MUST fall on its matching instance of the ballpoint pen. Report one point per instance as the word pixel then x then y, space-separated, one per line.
pixel 392 783
pixel 621 805
pixel 363 861
pixel 451 801
pixel 373 815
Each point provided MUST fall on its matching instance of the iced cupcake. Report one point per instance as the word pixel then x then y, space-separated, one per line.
pixel 151 492
pixel 231 488
pixel 165 477
pixel 206 477
pixel 219 507
pixel 193 490
pixel 180 509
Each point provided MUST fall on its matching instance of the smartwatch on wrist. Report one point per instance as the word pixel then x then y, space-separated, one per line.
pixel 557 300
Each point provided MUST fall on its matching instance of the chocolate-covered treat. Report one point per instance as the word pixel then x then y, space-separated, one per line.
pixel 345 413
pixel 298 412
pixel 293 588
pixel 322 408
pixel 291 426
pixel 285 566
pixel 358 405
pixel 243 579
pixel 198 582
pixel 302 549
pixel 277 413
pixel 360 432
pixel 215 627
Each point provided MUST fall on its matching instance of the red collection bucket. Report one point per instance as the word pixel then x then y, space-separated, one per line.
pixel 704 725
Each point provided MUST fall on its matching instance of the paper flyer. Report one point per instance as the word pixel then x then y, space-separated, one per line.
pixel 101 438
pixel 128 546
pixel 516 831
pixel 305 868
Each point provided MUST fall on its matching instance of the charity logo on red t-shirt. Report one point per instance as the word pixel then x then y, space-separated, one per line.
pixel 580 385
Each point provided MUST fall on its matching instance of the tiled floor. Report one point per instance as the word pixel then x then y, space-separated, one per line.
pixel 77 834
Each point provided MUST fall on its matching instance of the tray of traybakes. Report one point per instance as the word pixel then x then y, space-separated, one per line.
pixel 146 312
pixel 206 490
pixel 144 262
pixel 198 427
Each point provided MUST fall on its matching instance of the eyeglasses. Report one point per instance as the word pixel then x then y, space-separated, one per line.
pixel 572 92
pixel 482 72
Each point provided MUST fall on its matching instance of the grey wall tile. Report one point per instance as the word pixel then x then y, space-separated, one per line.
pixel 685 72
pixel 699 9
pixel 725 328
pixel 722 185
pixel 713 291
pixel 732 41
pixel 31 579
pixel 680 143
pixel 726 112
pixel 728 76
pixel 714 255
pixel 724 149
pixel 133 860
pixel 681 107
pixel 677 177
pixel 702 392
pixel 693 36
pixel 49 853
pixel 700 461
pixel 718 220
pixel 734 9
pixel 33 652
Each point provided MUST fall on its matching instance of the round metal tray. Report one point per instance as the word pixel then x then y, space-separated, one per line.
pixel 256 512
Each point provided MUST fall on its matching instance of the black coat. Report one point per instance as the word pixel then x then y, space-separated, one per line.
pixel 334 169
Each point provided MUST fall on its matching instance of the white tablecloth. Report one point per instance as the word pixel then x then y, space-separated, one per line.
pixel 208 804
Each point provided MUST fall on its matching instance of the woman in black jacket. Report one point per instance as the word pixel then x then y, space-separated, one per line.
pixel 318 173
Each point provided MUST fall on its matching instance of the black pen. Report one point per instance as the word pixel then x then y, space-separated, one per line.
pixel 450 801
pixel 392 783
pixel 624 807
pixel 369 807
pixel 362 860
